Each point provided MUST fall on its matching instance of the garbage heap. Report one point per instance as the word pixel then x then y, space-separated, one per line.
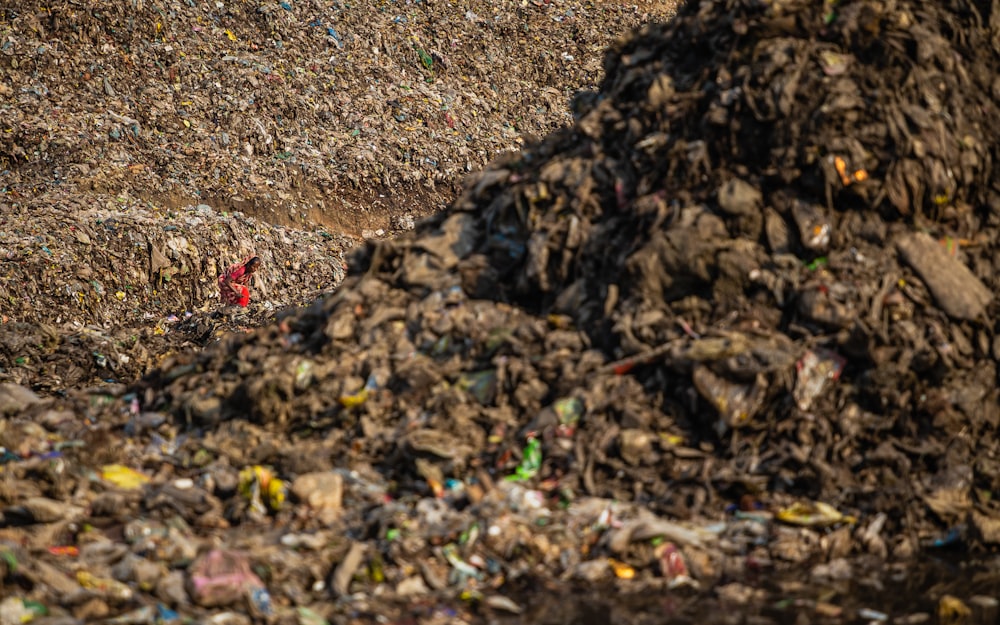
pixel 292 111
pixel 737 318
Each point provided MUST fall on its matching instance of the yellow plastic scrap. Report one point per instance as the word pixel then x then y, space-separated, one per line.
pixel 259 485
pixel 814 514
pixel 673 440
pixel 952 611
pixel 104 585
pixel 562 322
pixel 123 477
pixel 621 569
pixel 276 492
pixel 355 400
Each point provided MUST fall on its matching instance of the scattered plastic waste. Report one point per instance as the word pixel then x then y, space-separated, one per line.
pixel 569 410
pixel 14 610
pixel 463 568
pixel 815 370
pixel 108 587
pixel 673 567
pixel 531 461
pixel 622 570
pixel 813 514
pixel 481 385
pixel 222 578
pixel 954 536
pixel 123 477
pixel 262 489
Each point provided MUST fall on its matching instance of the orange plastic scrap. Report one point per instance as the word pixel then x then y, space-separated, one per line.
pixel 858 175
pixel 622 570
pixel 951 245
pixel 65 550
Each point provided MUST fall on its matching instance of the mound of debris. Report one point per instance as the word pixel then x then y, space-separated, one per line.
pixel 738 318
pixel 769 253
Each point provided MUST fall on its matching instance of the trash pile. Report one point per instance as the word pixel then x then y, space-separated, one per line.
pixel 296 111
pixel 726 340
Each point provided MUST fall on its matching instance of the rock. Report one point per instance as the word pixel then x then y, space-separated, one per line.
pixel 322 492
pixel 412 586
pixel 14 398
pixel 342 574
pixel 92 609
pixel 955 288
pixel 738 197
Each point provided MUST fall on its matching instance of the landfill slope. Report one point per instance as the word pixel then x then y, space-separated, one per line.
pixel 726 343
pixel 92 294
pixel 343 114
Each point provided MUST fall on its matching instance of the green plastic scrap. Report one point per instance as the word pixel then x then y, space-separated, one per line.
pixel 829 11
pixel 10 559
pixel 469 534
pixel 36 608
pixel 531 463
pixel 819 262
pixel 425 58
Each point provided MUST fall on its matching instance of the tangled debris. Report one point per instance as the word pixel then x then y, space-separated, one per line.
pixel 737 320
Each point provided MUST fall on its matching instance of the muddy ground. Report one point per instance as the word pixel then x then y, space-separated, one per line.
pixel 709 325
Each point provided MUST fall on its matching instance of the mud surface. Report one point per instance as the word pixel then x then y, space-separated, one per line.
pixel 724 347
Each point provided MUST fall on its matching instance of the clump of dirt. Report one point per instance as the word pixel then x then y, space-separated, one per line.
pixel 738 319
